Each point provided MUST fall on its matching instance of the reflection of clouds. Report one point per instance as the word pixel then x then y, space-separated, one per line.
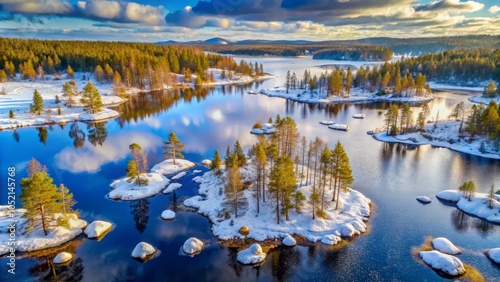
pixel 90 158
pixel 216 115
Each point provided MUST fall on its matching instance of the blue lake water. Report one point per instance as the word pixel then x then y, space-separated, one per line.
pixel 87 158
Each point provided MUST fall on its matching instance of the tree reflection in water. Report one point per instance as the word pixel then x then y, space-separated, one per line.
pixel 140 209
pixel 77 135
pixel 97 133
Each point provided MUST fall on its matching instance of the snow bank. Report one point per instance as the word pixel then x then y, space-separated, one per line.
pixel 172 187
pixel 236 79
pixel 445 135
pixel 480 99
pixel 424 199
pixel 62 257
pixel 357 96
pixel 97 229
pixel 478 205
pixel 35 239
pixel 179 175
pixel 494 254
pixel 129 191
pixel 354 208
pixel 168 167
pixel 192 245
pixel 443 262
pixel 330 240
pixel 252 255
pixel 168 214
pixel 445 246
pixel 143 250
pixel 289 241
pixel 327 122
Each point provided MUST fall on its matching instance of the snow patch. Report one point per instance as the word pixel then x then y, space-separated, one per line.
pixel 129 191
pixel 192 245
pixel 445 246
pixel 252 255
pixel 179 175
pixel 143 250
pixel 330 240
pixel 62 257
pixel 424 199
pixel 168 214
pixel 167 167
pixel 443 262
pixel 494 254
pixel 172 187
pixel 289 241
pixel 97 228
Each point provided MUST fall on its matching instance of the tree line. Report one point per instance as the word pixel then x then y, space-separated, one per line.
pixel 386 79
pixel 283 162
pixel 365 53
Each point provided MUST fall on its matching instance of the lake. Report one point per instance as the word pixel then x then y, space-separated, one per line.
pixel 87 158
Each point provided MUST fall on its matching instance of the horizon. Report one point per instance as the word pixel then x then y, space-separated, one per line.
pixel 192 20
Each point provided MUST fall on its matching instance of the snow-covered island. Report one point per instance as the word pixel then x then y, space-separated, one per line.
pixel 222 77
pixel 478 204
pixel 347 221
pixel 18 95
pixel 445 134
pixel 35 239
pixel 356 96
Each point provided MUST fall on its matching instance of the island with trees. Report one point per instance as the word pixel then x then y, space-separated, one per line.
pixel 76 81
pixel 286 186
pixel 387 82
pixel 474 130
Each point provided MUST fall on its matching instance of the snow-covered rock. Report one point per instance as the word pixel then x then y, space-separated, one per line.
pixel 330 239
pixel 172 187
pixel 267 128
pixel 494 254
pixel 206 162
pixel 359 225
pixel 192 245
pixel 443 262
pixel 252 255
pixel 449 195
pixel 143 250
pixel 167 167
pixel 179 175
pixel 198 179
pixel 347 230
pixel 289 241
pixel 478 204
pixel 196 171
pixel 62 257
pixel 97 228
pixel 129 191
pixel 424 199
pixel 168 214
pixel 445 246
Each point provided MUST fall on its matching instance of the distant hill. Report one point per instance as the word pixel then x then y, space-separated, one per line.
pixel 217 40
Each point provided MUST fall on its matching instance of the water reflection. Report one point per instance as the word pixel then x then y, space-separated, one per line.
pixel 42 134
pixel 140 210
pixel 77 135
pixel 97 133
pixel 15 134
pixel 460 220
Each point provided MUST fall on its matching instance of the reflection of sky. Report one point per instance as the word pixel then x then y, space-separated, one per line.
pixel 91 158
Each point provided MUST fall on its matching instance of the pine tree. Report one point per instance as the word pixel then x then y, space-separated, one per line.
pixel 59 111
pixel 348 81
pixel 66 199
pixel 91 98
pixel 491 197
pixel 234 187
pixel 11 114
pixel 3 76
pixel 39 197
pixel 260 161
pixel 341 170
pixel 70 72
pixel 238 151
pixel 141 164
pixel 37 105
pixel 68 92
pixel 325 163
pixel 99 73
pixel 34 166
pixel 282 181
pixel 216 162
pixel 173 147
pixel 298 199
pixel 489 90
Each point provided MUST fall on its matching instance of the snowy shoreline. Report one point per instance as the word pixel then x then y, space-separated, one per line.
pixel 477 205
pixel 346 222
pixel 444 135
pixel 356 96
pixel 479 99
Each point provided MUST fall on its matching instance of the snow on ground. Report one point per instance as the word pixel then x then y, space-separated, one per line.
pixel 179 175
pixel 267 128
pixel 494 254
pixel 354 208
pixel 478 99
pixel 252 255
pixel 192 245
pixel 197 179
pixel 356 96
pixel 330 239
pixel 443 262
pixel 424 199
pixel 478 205
pixel 439 86
pixel 143 250
pixel 172 187
pixel 237 78
pixel 289 241
pixel 445 246
pixel 445 134
pixel 35 239
pixel 62 257
pixel 167 167
pixel 20 95
pixel 168 214
pixel 129 191
pixel 196 171
pixel 97 229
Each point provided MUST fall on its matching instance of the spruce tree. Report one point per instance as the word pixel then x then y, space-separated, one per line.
pixel 11 114
pixel 3 76
pixel 234 186
pixel 238 151
pixel 37 105
pixel 341 169
pixel 173 147
pixel 216 162
pixel 70 72
pixel 39 197
pixel 140 167
pixel 91 99
pixel 281 184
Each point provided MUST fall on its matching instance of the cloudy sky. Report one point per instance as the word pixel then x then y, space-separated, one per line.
pixel 185 20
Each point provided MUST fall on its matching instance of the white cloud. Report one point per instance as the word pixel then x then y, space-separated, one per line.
pixel 494 9
pixel 122 11
pixel 53 7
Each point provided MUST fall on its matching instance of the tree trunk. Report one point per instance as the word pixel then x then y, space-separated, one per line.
pixel 44 225
pixel 278 207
